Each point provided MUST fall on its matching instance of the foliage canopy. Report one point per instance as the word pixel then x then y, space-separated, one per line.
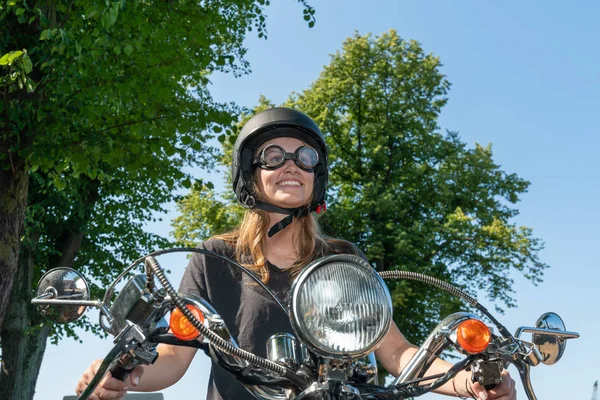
pixel 104 109
pixel 409 196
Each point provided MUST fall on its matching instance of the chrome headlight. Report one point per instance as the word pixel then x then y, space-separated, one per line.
pixel 340 307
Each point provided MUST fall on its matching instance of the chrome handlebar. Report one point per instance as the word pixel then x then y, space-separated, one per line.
pixel 133 337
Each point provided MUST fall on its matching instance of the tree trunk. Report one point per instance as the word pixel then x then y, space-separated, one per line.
pixel 24 335
pixel 23 338
pixel 13 202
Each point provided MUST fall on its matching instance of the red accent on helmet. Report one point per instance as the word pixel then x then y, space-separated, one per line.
pixel 321 208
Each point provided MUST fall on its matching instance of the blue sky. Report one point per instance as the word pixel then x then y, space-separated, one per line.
pixel 525 77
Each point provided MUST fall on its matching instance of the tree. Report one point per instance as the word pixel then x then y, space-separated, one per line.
pixel 102 106
pixel 410 197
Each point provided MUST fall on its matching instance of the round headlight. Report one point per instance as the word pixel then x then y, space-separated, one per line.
pixel 340 306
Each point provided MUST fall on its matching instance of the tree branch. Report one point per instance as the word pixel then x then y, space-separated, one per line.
pixel 359 123
pixel 337 139
pixel 68 241
pixel 128 123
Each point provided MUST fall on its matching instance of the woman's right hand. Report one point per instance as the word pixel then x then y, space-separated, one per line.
pixel 109 388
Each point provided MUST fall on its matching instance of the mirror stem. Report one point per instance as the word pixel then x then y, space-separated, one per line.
pixel 43 299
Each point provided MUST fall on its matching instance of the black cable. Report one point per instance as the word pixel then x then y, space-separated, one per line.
pixel 420 390
pixel 215 339
pixel 157 253
pixel 168 338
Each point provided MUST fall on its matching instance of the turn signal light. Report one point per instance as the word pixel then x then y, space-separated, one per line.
pixel 473 336
pixel 181 327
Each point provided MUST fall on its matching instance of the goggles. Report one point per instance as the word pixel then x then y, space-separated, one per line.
pixel 274 156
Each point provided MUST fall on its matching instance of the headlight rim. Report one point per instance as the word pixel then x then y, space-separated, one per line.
pixel 293 307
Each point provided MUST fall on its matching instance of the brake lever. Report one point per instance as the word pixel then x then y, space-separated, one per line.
pixel 523 368
pixel 406 389
pixel 114 354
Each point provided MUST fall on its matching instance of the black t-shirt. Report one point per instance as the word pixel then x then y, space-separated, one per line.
pixel 251 314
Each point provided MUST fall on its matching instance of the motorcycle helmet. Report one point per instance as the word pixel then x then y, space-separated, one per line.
pixel 271 123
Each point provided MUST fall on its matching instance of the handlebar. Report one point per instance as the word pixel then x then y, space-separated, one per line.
pixel 136 322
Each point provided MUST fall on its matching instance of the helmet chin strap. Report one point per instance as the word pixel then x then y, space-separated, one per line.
pixel 292 212
pixel 281 225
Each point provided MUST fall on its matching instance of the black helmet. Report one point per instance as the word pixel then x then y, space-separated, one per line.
pixel 277 122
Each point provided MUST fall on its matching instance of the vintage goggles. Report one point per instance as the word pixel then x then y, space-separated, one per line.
pixel 274 156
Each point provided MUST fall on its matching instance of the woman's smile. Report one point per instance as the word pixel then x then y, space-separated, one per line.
pixel 286 186
pixel 290 183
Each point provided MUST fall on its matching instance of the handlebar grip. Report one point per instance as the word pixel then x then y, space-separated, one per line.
pixel 488 386
pixel 120 372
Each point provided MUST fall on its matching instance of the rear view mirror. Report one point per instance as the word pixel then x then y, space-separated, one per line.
pixel 550 346
pixel 67 286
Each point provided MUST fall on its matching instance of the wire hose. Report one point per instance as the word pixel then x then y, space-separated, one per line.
pixel 453 290
pixel 209 253
pixel 215 339
pixel 406 389
pixel 414 276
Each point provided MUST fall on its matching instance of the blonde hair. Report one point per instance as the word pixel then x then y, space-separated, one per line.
pixel 250 239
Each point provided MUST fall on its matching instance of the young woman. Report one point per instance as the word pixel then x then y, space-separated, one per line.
pixel 280 175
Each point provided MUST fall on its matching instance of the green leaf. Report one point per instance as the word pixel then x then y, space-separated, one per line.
pixel 30 85
pixel 197 145
pixel 27 65
pixel 110 16
pixel 8 58
pixel 20 11
pixel 59 183
pixel 128 50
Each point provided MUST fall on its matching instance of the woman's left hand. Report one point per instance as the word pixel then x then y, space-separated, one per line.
pixel 504 391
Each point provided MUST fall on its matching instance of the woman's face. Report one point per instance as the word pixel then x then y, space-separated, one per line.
pixel 288 186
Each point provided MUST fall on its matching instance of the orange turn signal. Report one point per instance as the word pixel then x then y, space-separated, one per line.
pixel 473 336
pixel 181 327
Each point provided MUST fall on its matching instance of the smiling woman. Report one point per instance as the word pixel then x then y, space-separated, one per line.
pixel 280 175
pixel 288 185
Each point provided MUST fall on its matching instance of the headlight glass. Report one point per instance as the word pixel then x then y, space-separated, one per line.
pixel 341 306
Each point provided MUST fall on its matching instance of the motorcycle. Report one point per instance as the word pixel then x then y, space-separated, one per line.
pixel 340 310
